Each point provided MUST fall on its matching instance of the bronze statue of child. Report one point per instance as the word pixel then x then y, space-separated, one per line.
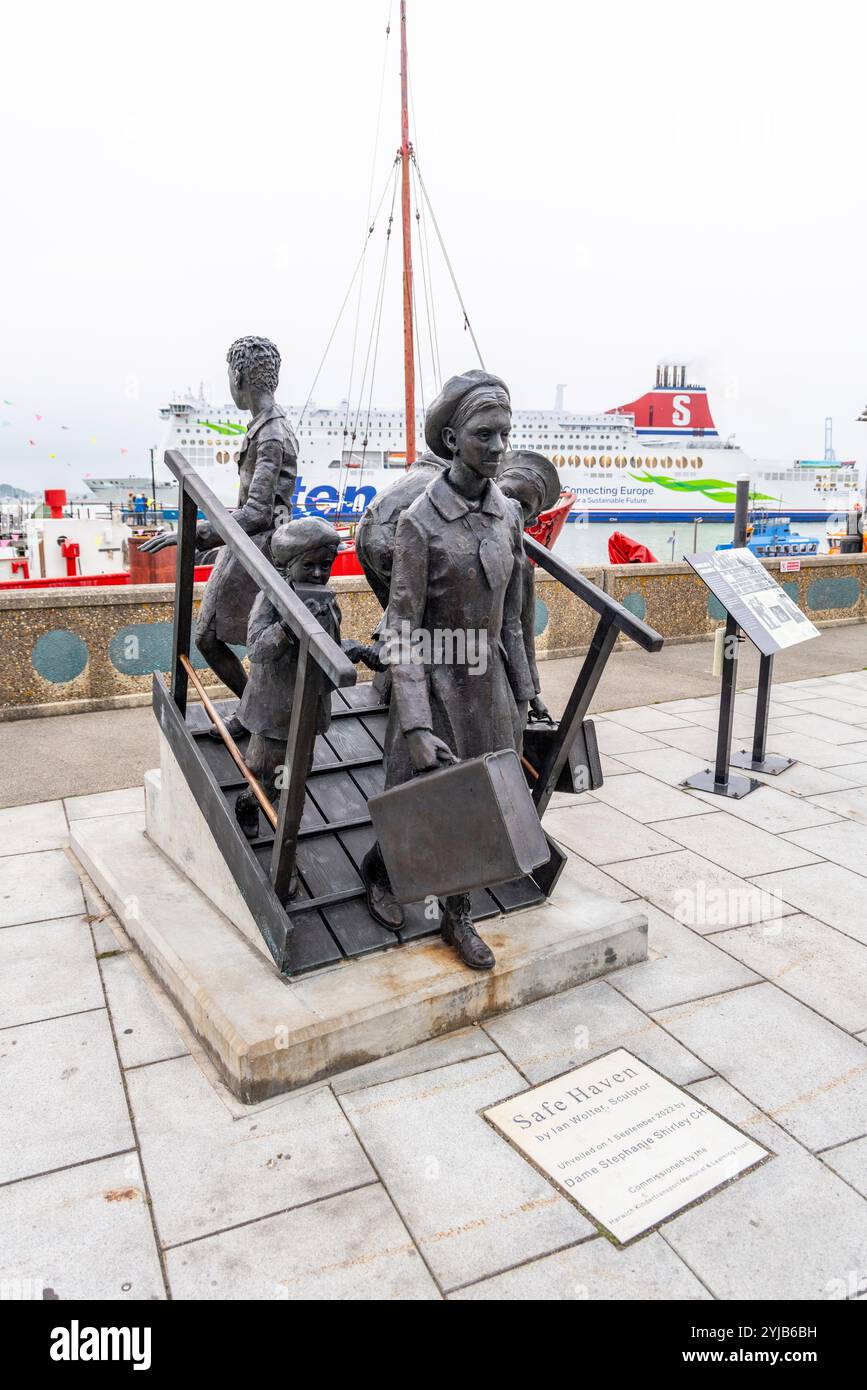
pixel 533 482
pixel 303 552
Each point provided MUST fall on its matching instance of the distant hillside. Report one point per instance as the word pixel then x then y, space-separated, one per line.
pixel 7 490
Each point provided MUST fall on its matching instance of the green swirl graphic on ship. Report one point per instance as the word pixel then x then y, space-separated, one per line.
pixel 714 489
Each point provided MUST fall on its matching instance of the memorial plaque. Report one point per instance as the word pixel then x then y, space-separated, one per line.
pixel 628 1146
pixel 754 598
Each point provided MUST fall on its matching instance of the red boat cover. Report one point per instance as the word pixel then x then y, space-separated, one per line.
pixel 623 551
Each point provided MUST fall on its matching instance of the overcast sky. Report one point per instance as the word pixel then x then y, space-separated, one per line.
pixel 615 183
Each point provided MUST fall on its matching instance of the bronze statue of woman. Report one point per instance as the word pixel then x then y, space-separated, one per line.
pixel 455 596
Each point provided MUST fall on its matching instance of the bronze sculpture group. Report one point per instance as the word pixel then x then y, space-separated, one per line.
pixel 442 549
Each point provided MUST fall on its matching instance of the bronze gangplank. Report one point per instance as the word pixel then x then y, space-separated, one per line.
pixel 323 826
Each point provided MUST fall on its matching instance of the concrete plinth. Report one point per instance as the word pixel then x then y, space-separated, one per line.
pixel 267 1034
pixel 175 824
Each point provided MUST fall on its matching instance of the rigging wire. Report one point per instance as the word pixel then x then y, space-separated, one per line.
pixel 436 336
pixel 358 266
pixel 379 308
pixel 424 258
pixel 424 251
pixel 369 202
pixel 467 325
pixel 371 347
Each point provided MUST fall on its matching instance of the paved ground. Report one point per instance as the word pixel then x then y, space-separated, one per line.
pixel 134 1174
pixel 43 759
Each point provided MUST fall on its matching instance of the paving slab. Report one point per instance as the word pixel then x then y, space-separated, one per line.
pixel 698 893
pixel 781 691
pixel 109 937
pixel 771 809
pixel 788 1230
pixel 855 774
pixel 611 767
pixel 119 803
pixel 62 1096
pixel 207 1171
pixel 38 887
pixel 742 724
pixel 648 1270
pixel 685 708
pixel 556 1035
pixel 644 719
pixel 733 844
pixel 746 705
pixel 850 1162
pixel 579 874
pixel 681 965
pixel 855 679
pixel 24 829
pixel 831 893
pixel 815 751
pixel 852 711
pixel 351 1247
pixel 851 802
pixel 856 750
pixel 616 738
pixel 472 1205
pixel 844 843
pixel 47 969
pixel 701 743
pixel 647 799
pixel 810 781
pixel 141 1014
pixel 669 765
pixel 602 834
pixel 82 1233
pixel 459 1046
pixel 804 1072
pixel 818 965
pixel 819 726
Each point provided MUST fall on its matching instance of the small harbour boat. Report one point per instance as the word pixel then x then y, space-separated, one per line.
pixel 768 538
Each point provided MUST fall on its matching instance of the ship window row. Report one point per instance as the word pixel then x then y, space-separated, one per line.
pixel 622 461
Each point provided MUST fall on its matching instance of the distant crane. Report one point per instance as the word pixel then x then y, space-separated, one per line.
pixel 830 456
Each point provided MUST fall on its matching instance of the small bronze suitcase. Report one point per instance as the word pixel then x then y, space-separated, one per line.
pixel 470 825
pixel 582 771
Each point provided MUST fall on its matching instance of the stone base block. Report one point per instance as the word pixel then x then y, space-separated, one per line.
pixel 268 1034
pixel 175 823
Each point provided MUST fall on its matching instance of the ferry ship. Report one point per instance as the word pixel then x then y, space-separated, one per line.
pixel 659 457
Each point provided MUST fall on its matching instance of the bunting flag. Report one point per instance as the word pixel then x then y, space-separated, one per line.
pixel 40 418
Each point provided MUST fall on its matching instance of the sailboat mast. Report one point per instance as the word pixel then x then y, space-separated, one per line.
pixel 405 152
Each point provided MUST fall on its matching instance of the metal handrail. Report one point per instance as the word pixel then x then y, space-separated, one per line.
pixel 327 653
pixel 319 659
pixel 595 598
pixel 614 619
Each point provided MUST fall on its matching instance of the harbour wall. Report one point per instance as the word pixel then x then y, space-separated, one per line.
pixel 73 650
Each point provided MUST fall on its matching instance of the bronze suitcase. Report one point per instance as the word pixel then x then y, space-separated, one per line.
pixel 470 825
pixel 582 771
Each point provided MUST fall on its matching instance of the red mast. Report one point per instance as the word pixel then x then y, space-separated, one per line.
pixel 405 154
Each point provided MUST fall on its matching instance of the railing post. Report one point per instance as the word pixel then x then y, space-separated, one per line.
pixel 299 755
pixel 577 705
pixel 183 620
